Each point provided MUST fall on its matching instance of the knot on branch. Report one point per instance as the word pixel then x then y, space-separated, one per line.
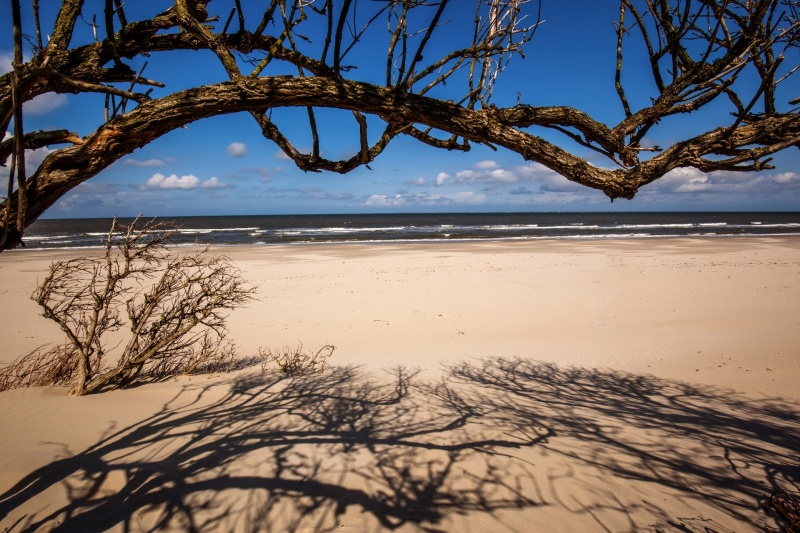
pixel 629 156
pixel 491 112
pixel 246 42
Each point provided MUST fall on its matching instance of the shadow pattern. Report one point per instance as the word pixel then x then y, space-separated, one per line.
pixel 387 452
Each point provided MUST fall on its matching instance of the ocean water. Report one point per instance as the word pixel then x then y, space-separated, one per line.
pixel 300 229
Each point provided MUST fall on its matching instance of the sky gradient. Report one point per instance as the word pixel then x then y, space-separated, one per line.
pixel 222 165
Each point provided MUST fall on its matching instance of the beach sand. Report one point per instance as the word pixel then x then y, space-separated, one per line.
pixel 599 385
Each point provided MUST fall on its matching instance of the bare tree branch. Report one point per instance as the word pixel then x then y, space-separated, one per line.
pixel 696 52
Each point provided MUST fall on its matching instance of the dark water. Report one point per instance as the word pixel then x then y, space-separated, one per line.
pixel 294 229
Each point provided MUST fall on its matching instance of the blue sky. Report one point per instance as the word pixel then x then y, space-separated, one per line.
pixel 222 166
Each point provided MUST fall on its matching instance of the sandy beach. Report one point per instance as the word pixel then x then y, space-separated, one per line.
pixel 561 385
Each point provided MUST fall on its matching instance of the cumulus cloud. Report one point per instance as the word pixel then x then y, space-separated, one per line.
pixel 419 182
pixel 497 179
pixel 382 200
pixel 280 154
pixel 146 163
pixel 42 104
pixel 466 197
pixel 487 173
pixel 212 183
pixel 187 182
pixel 459 198
pixel 33 158
pixel 787 177
pixel 463 176
pixel 100 199
pixel 160 181
pixel 78 202
pixel 682 180
pixel 237 149
pixel 723 189
pixel 426 199
pixel 690 180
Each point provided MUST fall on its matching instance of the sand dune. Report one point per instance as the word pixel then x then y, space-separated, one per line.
pixel 638 385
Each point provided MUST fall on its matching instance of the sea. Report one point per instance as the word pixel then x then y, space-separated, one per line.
pixel 265 230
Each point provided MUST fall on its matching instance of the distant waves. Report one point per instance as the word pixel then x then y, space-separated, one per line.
pixel 295 229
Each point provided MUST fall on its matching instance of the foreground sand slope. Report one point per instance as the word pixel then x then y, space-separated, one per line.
pixel 546 386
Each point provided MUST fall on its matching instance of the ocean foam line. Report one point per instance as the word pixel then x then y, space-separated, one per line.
pixel 645 226
pixel 762 225
pixel 501 227
pixel 44 237
pixel 571 226
pixel 609 236
pixel 191 231
pixel 316 231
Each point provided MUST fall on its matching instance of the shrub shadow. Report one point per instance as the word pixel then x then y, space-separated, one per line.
pixel 699 442
pixel 267 453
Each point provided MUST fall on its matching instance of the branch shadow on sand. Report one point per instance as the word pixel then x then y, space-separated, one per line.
pixel 500 439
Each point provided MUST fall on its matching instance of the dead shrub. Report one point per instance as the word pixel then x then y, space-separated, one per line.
pixel 297 361
pixel 173 304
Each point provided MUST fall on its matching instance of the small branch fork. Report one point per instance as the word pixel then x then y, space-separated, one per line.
pixel 699 52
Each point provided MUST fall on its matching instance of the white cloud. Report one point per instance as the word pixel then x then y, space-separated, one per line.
pixel 549 180
pixel 683 180
pixel 502 176
pixel 33 158
pixel 426 199
pixel 461 198
pixel 146 163
pixel 463 176
pixel 212 183
pixel 160 181
pixel 100 198
pixel 786 177
pixel 280 154
pixel 490 174
pixel 419 182
pixel 466 197
pixel 381 200
pixel 237 149
pixel 188 182
pixel 44 104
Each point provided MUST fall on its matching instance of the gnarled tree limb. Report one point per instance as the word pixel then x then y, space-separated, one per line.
pixel 697 52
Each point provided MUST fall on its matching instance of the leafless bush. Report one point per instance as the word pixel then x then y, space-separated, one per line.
pixel 40 367
pixel 174 306
pixel 297 361
pixel 58 365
